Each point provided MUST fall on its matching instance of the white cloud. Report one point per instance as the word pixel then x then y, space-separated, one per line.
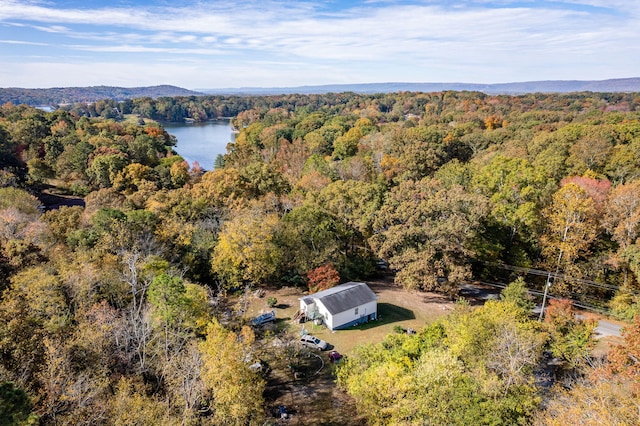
pixel 125 48
pixel 52 28
pixel 478 41
pixel 26 43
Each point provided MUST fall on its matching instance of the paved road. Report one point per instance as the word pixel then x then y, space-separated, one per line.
pixel 477 292
pixel 605 328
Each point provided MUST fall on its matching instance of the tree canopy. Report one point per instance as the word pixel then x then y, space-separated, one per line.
pixel 116 254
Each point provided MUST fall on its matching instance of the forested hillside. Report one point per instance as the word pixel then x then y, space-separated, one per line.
pixel 116 312
pixel 70 95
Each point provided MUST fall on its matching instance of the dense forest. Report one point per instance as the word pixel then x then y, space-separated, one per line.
pixel 121 310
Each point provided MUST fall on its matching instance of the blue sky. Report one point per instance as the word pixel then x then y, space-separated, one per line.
pixel 216 44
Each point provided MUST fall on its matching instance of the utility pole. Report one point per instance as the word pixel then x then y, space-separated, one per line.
pixel 546 287
pixel 544 297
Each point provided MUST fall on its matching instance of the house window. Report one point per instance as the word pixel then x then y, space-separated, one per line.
pixel 356 312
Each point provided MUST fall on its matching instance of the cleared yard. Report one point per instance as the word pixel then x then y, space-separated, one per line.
pixel 396 307
pixel 313 399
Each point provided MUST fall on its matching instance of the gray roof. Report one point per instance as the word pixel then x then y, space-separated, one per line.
pixel 345 296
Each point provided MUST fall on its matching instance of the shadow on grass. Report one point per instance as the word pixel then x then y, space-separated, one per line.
pixel 281 324
pixel 433 298
pixel 387 314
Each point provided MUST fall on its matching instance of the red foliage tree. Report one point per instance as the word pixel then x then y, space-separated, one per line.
pixel 596 188
pixel 322 277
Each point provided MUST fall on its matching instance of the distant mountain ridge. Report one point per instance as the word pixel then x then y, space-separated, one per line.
pixel 68 95
pixel 550 86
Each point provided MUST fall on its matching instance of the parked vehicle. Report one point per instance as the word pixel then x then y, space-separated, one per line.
pixel 382 265
pixel 334 357
pixel 313 342
pixel 260 366
pixel 264 318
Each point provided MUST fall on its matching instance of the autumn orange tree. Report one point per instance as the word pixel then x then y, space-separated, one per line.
pixel 624 359
pixel 322 278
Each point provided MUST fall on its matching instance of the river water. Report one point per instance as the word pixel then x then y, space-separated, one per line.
pixel 201 142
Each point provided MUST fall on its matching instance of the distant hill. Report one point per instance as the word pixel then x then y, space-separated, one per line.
pixel 551 86
pixel 68 95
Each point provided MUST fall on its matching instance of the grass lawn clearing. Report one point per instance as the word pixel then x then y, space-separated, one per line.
pixel 396 307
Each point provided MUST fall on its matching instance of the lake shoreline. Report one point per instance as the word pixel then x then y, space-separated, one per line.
pixel 202 141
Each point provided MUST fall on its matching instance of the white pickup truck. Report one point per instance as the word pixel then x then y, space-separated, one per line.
pixel 313 342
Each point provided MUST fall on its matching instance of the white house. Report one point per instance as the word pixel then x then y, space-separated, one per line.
pixel 341 306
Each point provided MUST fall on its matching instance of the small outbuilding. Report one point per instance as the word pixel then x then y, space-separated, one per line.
pixel 341 306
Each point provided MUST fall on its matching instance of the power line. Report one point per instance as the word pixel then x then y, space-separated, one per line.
pixel 540 272
pixel 577 303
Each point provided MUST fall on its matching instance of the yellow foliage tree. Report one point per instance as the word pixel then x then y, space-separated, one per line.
pixel 246 251
pixel 235 391
pixel 571 228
